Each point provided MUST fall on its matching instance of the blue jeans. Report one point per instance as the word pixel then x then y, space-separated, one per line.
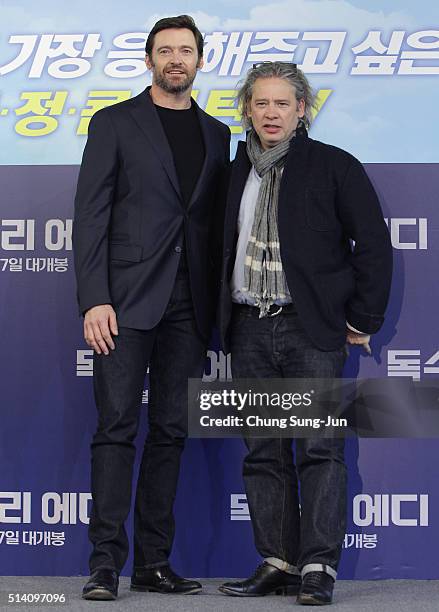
pixel 175 351
pixel 307 537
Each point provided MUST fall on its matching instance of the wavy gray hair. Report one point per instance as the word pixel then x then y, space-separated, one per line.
pixel 282 70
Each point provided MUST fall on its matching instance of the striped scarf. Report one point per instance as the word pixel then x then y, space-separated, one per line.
pixel 264 278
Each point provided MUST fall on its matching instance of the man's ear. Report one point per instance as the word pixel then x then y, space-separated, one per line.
pixel 148 62
pixel 301 108
pixel 200 63
pixel 248 110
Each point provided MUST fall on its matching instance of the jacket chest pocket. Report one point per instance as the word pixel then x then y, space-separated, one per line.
pixel 320 209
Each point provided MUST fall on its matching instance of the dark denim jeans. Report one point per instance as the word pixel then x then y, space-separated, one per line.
pixel 310 539
pixel 175 352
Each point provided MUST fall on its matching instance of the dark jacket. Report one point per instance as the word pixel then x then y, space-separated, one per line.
pixel 325 200
pixel 130 222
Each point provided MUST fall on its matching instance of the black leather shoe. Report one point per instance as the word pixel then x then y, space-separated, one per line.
pixel 102 585
pixel 162 580
pixel 316 589
pixel 267 580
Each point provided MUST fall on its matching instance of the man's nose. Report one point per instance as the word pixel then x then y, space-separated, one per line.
pixel 271 111
pixel 176 58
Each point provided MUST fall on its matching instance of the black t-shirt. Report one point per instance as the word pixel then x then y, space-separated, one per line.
pixel 183 132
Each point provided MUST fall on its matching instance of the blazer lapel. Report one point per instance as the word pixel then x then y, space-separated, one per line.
pixel 149 122
pixel 241 167
pixel 295 169
pixel 208 144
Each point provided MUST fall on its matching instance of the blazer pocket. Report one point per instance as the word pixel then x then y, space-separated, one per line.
pixel 126 252
pixel 320 209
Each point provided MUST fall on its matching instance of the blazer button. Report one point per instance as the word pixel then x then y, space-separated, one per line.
pixel 177 249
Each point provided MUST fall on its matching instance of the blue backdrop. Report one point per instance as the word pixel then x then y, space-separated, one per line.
pixel 47 408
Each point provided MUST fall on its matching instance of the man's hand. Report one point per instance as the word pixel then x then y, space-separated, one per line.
pixel 354 338
pixel 99 321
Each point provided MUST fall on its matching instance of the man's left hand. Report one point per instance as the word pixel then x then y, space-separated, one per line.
pixel 363 339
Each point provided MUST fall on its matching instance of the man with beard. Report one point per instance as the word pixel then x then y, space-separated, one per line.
pixel 146 287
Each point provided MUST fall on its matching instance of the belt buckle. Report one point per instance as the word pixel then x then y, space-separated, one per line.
pixel 274 314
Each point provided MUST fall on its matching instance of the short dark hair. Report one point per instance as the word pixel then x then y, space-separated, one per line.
pixel 181 21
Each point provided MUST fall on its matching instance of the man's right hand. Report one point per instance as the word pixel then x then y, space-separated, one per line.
pixel 99 323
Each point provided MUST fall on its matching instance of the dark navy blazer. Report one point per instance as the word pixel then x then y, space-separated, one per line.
pixel 130 223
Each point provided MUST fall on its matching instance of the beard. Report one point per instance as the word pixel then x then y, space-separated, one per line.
pixel 162 81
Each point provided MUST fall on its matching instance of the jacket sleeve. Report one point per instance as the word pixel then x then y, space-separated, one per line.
pixel 93 202
pixel 371 257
